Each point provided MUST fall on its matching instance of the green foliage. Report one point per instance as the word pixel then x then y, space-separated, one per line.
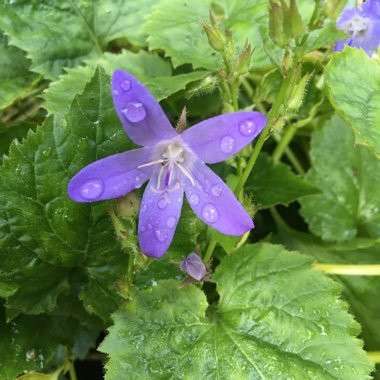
pixel 45 237
pixel 274 183
pixel 57 34
pixel 350 182
pixel 15 78
pixel 149 68
pixel 353 82
pixel 276 318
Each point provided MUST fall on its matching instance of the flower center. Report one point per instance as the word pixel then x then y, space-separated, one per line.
pixel 358 25
pixel 172 156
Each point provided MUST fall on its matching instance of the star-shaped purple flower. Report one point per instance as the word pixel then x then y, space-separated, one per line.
pixel 173 163
pixel 362 24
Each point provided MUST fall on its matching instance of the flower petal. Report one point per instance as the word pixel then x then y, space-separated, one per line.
pixel 159 215
pixel 142 117
pixel 220 137
pixel 111 177
pixel 215 203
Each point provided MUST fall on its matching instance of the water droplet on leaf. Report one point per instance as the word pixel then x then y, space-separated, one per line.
pixel 134 112
pixel 210 213
pixel 92 189
pixel 47 152
pixel 227 144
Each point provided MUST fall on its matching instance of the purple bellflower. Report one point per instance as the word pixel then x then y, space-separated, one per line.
pixel 362 24
pixel 173 163
pixel 194 266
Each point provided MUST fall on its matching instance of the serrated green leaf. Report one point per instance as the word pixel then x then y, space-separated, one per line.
pixel 361 292
pixel 45 237
pixel 353 80
pixel 149 68
pixel 276 318
pixel 57 34
pixel 349 178
pixel 274 183
pixel 15 78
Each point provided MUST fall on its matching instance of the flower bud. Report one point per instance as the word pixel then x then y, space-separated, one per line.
pixel 244 60
pixel 194 266
pixel 276 24
pixel 297 25
pixel 296 98
pixel 215 37
pixel 128 205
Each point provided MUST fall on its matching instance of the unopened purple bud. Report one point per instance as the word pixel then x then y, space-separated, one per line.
pixel 194 266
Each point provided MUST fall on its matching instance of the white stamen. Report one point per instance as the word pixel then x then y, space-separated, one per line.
pixel 151 163
pixel 187 174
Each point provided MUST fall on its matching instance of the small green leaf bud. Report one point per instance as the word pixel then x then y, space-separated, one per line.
pixel 215 37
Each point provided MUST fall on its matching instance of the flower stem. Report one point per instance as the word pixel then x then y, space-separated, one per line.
pixel 73 375
pixel 374 356
pixel 284 142
pixel 273 114
pixel 210 249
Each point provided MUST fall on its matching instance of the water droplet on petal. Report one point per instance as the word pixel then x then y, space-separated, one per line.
pixel 179 199
pixel 161 234
pixel 162 204
pixel 115 92
pixel 142 228
pixel 134 112
pixel 247 127
pixel 150 226
pixel 125 85
pixel 227 144
pixel 171 221
pixel 216 190
pixel 144 207
pixel 92 189
pixel 194 199
pixel 210 213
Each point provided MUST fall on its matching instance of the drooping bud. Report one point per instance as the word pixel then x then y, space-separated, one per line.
pixel 194 266
pixel 215 37
pixel 205 86
pixel 244 60
pixel 128 205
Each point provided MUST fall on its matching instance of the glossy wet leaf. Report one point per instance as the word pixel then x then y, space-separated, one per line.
pixel 57 34
pixel 349 178
pixel 45 237
pixel 361 292
pixel 353 80
pixel 149 68
pixel 274 183
pixel 276 318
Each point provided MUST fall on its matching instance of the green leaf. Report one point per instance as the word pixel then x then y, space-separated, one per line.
pixel 322 37
pixel 274 183
pixel 353 80
pixel 15 78
pixel 45 237
pixel 180 34
pixel 25 346
pixel 349 178
pixel 276 318
pixel 57 34
pixel 149 68
pixel 361 292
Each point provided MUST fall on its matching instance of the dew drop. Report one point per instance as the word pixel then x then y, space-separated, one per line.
pixel 162 204
pixel 210 213
pixel 30 354
pixel 47 152
pixel 150 226
pixel 227 144
pixel 92 189
pixel 142 228
pixel 144 207
pixel 216 189
pixel 134 112
pixel 161 234
pixel 115 92
pixel 247 127
pixel 171 221
pixel 194 199
pixel 125 85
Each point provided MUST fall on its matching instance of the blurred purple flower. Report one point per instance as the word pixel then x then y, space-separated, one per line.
pixel 194 266
pixel 173 163
pixel 362 24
